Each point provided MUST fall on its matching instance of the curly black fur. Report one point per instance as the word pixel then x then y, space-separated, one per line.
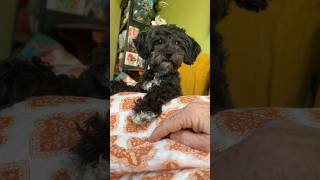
pixel 96 77
pixel 220 94
pixel 91 147
pixel 164 48
pixel 93 141
pixel 21 79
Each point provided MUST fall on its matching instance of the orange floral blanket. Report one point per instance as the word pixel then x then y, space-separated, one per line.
pixel 133 157
pixel 36 135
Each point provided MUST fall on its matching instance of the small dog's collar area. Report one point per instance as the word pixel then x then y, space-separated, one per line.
pixel 154 82
pixel 157 75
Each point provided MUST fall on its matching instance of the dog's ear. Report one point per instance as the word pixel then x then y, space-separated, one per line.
pixel 252 5
pixel 192 51
pixel 142 45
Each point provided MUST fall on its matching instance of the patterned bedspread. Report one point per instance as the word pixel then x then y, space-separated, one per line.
pixel 43 129
pixel 36 134
pixel 232 126
pixel 132 157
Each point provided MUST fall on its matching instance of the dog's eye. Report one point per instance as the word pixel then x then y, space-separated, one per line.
pixel 177 43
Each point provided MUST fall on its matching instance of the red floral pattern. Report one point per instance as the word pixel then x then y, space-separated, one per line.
pixel 57 133
pixel 131 152
pixel 61 174
pixel 240 123
pixel 5 122
pixel 14 171
pixel 128 103
pixel 46 101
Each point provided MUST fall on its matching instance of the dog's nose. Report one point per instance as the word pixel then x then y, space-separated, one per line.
pixel 168 55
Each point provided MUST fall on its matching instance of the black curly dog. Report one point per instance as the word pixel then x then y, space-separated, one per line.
pixel 220 94
pixel 164 48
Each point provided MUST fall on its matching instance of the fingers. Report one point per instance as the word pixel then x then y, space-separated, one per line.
pixel 170 125
pixel 193 140
pixel 195 116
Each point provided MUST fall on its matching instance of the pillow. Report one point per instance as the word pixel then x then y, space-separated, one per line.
pixel 131 156
pixel 50 51
pixel 64 62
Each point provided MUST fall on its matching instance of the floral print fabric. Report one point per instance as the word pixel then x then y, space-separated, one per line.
pixel 133 157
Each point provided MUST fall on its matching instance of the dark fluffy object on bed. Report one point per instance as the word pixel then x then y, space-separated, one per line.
pixel 93 141
pixel 22 79
pixel 91 148
pixel 220 94
pixel 164 48
pixel 96 77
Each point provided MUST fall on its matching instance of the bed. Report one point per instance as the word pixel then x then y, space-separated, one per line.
pixel 133 157
pixel 36 134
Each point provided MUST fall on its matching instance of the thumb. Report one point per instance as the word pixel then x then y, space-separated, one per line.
pixel 193 140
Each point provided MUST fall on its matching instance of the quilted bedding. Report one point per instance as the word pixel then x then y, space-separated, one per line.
pixel 43 129
pixel 36 134
pixel 133 157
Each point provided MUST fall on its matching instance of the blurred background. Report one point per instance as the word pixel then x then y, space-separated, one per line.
pixel 36 27
pixel 274 55
pixel 40 106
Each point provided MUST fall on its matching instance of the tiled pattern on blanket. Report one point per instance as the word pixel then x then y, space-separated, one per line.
pixel 41 130
pixel 133 157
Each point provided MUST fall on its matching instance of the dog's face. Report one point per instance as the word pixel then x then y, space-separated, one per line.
pixel 165 47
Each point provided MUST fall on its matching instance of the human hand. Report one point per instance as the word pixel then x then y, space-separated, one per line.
pixel 189 126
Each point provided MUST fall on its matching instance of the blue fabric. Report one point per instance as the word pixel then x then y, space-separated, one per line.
pixel 38 46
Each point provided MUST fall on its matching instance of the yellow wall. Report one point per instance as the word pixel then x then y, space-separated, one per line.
pixel 193 16
pixel 115 13
pixel 272 53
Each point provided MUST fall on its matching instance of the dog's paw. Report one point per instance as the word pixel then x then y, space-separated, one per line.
pixel 141 117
